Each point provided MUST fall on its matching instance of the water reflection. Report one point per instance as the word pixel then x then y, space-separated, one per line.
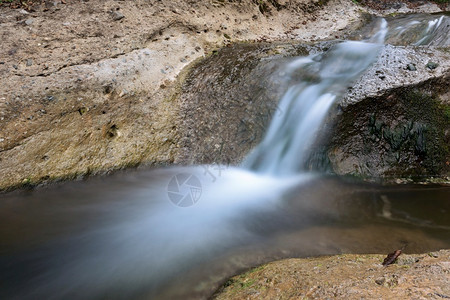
pixel 122 237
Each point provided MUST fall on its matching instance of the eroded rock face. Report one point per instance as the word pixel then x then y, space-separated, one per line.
pixel 404 133
pixel 394 122
pixel 89 97
pixel 229 100
pixel 87 87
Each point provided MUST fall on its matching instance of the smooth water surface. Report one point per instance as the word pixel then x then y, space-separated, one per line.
pixel 122 237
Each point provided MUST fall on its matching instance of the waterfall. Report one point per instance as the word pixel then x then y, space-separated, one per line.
pixel 305 105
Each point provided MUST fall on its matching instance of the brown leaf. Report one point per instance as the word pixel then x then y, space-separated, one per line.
pixel 392 257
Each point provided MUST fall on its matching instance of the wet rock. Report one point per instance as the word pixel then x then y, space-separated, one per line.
pixel 239 86
pixel 235 118
pixel 432 65
pixel 403 133
pixel 393 127
pixel 411 67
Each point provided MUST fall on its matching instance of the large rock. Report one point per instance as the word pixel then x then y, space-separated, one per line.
pixel 79 97
pixel 423 276
pixel 395 121
pixel 83 91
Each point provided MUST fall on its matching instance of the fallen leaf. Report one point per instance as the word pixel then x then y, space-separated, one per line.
pixel 391 258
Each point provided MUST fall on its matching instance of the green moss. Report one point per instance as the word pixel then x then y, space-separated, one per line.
pixel 446 109
pixel 421 133
pixel 403 133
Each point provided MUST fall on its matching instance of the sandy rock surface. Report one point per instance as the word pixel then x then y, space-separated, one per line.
pixel 423 276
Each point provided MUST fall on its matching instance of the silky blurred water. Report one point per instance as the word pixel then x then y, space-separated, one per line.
pixel 121 236
pixel 178 233
pixel 285 147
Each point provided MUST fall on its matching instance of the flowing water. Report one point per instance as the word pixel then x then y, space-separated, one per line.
pixel 180 232
pixel 291 133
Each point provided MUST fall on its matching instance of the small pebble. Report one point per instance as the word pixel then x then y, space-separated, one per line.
pixel 29 21
pixel 411 67
pixel 432 65
pixel 380 281
pixel 117 15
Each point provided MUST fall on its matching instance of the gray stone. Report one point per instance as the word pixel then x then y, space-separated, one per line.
pixel 411 67
pixel 117 15
pixel 432 65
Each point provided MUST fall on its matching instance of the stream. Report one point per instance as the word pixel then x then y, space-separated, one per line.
pixel 180 232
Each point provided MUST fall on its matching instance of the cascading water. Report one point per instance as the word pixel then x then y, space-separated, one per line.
pixel 304 106
pixel 120 237
pixel 417 30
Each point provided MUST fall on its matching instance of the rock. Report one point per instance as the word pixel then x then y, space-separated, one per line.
pixel 411 67
pixel 432 65
pixel 117 15
pixel 342 279
pixel 235 119
pixel 404 130
pixel 434 254
pixel 29 62
pixel 29 22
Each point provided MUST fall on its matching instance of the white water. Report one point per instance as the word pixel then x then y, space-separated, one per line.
pixel 420 30
pixel 305 105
